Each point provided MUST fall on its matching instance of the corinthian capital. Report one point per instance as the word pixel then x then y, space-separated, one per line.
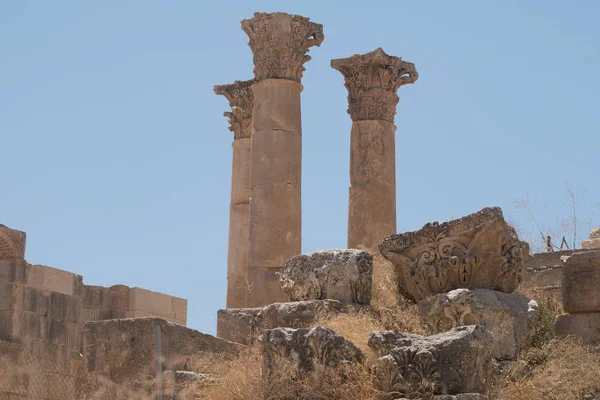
pixel 372 80
pixel 241 100
pixel 279 42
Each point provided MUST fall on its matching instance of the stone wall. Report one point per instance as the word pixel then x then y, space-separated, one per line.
pixel 543 271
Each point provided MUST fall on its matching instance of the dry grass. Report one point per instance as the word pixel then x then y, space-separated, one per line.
pixel 560 370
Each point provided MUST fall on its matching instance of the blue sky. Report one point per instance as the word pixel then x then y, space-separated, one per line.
pixel 116 157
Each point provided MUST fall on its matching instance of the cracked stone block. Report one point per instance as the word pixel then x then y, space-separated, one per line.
pixel 244 325
pixel 510 318
pixel 343 275
pixel 291 352
pixel 452 362
pixel 477 251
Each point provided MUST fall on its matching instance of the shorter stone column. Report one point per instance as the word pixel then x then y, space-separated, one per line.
pixel 241 101
pixel 372 80
pixel 581 297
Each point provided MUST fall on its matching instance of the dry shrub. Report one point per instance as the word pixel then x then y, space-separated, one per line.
pixel 560 370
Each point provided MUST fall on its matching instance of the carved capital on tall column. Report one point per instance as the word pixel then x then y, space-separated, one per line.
pixel 241 100
pixel 372 80
pixel 279 42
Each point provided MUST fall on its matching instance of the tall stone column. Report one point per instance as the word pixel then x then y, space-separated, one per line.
pixel 372 80
pixel 279 43
pixel 240 99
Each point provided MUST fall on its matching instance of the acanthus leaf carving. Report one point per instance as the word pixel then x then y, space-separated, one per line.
pixel 279 43
pixel 372 80
pixel 241 100
pixel 477 251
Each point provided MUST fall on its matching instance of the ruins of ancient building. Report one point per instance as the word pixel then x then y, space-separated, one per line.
pixel 462 276
pixel 43 310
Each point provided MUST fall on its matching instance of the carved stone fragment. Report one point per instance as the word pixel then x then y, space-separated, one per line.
pixel 12 243
pixel 477 251
pixel 372 80
pixel 509 317
pixel 244 325
pixel 452 362
pixel 291 352
pixel 279 42
pixel 343 275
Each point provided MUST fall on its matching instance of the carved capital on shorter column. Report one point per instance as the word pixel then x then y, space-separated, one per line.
pixel 241 100
pixel 279 42
pixel 372 80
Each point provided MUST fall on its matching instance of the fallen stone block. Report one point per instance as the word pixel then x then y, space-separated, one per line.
pixel 584 326
pixel 125 349
pixel 289 353
pixel 452 362
pixel 477 251
pixel 244 325
pixel 343 275
pixel 510 318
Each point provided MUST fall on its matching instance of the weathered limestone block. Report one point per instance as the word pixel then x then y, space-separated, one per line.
pixel 123 349
pixel 510 318
pixel 291 352
pixel 343 275
pixel 581 282
pixel 452 362
pixel 584 326
pixel 477 251
pixel 12 243
pixel 593 240
pixel 244 325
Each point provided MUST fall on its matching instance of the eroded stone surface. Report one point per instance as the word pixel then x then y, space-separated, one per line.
pixel 343 275
pixel 510 318
pixel 12 243
pixel 581 282
pixel 477 251
pixel 452 362
pixel 294 351
pixel 279 42
pixel 243 325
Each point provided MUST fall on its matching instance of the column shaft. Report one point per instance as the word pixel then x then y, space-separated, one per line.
pixel 239 225
pixel 372 80
pixel 240 99
pixel 372 197
pixel 275 209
